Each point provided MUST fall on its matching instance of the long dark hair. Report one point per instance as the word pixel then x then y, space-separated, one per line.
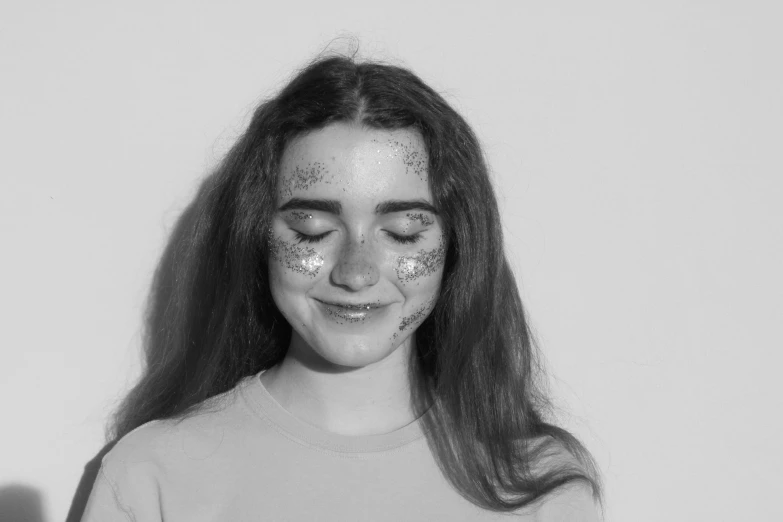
pixel 211 319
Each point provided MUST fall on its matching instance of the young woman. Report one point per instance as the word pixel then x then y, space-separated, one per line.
pixel 334 332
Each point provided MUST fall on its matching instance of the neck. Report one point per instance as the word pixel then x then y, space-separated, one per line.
pixel 369 400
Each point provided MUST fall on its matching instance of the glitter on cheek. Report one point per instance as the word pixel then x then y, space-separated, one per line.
pixel 418 316
pixel 407 266
pixel 413 318
pixel 421 264
pixel 303 260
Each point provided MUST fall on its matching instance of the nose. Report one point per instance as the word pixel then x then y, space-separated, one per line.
pixel 356 267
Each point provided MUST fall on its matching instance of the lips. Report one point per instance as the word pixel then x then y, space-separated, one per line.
pixel 350 312
pixel 348 306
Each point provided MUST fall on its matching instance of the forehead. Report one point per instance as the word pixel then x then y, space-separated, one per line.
pixel 350 161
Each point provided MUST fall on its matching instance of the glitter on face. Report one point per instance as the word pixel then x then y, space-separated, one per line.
pixel 301 216
pixel 414 317
pixel 424 219
pixel 412 157
pixel 304 177
pixel 337 315
pixel 418 316
pixel 303 260
pixel 421 264
pixel 341 317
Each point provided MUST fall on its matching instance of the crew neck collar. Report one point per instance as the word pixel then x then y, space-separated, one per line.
pixel 291 426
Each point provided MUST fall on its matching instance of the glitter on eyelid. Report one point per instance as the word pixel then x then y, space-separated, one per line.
pixel 303 260
pixel 301 216
pixel 422 218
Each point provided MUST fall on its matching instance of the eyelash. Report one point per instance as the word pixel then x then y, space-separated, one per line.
pixel 404 240
pixel 304 238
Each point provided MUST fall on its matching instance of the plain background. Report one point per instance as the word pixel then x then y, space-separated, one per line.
pixel 636 148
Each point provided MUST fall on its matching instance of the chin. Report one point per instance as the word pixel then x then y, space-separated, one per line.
pixel 349 352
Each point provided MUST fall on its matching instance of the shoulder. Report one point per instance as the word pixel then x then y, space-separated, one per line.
pixel 159 444
pixel 142 445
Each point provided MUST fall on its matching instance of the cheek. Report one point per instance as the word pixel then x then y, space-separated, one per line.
pixel 424 265
pixel 425 298
pixel 292 271
pixel 421 313
pixel 420 276
pixel 294 260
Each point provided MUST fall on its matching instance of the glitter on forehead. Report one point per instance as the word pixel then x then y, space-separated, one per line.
pixel 421 264
pixel 303 260
pixel 303 177
pixel 412 156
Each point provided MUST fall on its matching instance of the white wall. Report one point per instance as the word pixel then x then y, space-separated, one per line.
pixel 636 146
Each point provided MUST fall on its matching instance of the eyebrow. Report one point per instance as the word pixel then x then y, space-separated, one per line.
pixel 334 207
pixel 323 205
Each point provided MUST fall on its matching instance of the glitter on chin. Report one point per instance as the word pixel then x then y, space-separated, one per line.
pixel 303 260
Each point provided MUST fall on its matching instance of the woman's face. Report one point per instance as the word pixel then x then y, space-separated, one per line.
pixel 357 250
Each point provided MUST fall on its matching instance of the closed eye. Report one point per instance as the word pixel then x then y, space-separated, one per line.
pixel 405 240
pixel 304 238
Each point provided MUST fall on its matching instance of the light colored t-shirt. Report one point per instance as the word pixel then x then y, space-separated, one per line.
pixel 246 458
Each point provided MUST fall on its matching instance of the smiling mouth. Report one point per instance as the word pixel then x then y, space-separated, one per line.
pixel 344 313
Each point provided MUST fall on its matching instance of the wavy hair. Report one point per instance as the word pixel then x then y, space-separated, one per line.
pixel 211 320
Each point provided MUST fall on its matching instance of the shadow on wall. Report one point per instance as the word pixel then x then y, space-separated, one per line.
pixel 83 490
pixel 20 503
pixel 163 284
